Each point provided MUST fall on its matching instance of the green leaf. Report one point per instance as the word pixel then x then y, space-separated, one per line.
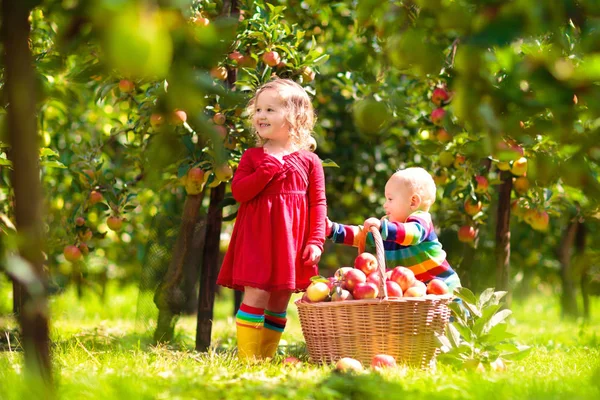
pixel 464 332
pixel 230 217
pixel 187 142
pixel 52 164
pixel 329 163
pixel 465 295
pixel 485 296
pixel 5 163
pixel 498 318
pixel 319 278
pixel 480 325
pixel 454 335
pixel 321 59
pixel 182 170
pixel 46 152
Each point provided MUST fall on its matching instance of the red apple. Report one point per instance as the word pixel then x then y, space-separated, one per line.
pixel 236 56
pixel 393 289
pixel 374 277
pixel 114 223
pixel 126 86
pixel 80 221
pixel 352 278
pixel 85 250
pixel 366 262
pixel 365 290
pixel 439 96
pixel 219 73
pixel 348 364
pixel 219 118
pixel 416 291
pixel 521 185
pixel 156 120
pixel 85 235
pixel 271 58
pixel 179 117
pixel 403 277
pixel 247 62
pixel 95 197
pixel 443 136
pixel 341 272
pixel 291 361
pixel 538 220
pixel 196 175
pixel 331 282
pixel 201 21
pixel 482 184
pixel 383 361
pixel 472 207
pixel 72 253
pixel 343 295
pixel 317 291
pixel 467 234
pixel 437 116
pixel 519 167
pixel 437 286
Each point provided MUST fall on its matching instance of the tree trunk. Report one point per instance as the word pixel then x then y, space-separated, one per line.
pixel 20 88
pixel 503 237
pixel 170 294
pixel 210 268
pixel 568 299
pixel 210 259
pixel 192 268
pixel 584 267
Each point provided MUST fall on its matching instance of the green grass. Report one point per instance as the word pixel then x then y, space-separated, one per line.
pixel 100 352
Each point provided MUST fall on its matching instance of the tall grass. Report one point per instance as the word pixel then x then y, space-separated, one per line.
pixel 100 352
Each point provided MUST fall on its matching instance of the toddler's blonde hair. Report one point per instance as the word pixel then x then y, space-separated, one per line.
pixel 421 182
pixel 300 113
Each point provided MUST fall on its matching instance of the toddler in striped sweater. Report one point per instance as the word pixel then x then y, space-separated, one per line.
pixel 409 237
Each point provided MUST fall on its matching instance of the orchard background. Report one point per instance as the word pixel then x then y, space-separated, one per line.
pixel 122 122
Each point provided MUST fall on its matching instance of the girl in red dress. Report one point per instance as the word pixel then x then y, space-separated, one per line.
pixel 279 232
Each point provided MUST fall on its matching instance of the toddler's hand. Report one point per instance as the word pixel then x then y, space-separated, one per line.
pixel 328 227
pixel 311 255
pixel 372 222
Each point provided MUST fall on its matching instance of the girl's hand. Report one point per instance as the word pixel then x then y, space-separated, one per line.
pixel 328 227
pixel 311 255
pixel 372 222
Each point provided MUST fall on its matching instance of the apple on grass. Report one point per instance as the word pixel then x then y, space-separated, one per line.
pixel 381 361
pixel 366 262
pixel 348 364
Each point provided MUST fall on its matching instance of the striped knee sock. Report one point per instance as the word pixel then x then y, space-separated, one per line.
pixel 249 323
pixel 275 321
pixel 273 328
pixel 249 316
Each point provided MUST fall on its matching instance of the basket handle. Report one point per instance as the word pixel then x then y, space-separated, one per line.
pixel 380 255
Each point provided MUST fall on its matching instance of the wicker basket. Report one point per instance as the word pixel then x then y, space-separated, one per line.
pixel 405 328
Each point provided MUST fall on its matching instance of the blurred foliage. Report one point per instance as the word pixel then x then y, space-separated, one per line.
pixel 519 79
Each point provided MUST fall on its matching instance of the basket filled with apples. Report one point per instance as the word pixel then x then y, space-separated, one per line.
pixel 365 310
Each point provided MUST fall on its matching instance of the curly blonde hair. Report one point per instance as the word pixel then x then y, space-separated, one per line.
pixel 300 113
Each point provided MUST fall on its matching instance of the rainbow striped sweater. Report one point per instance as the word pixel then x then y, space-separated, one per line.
pixel 412 244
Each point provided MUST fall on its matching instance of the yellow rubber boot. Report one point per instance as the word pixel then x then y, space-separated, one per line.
pixel 249 326
pixel 271 333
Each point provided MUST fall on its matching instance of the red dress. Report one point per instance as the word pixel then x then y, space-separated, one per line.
pixel 282 209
